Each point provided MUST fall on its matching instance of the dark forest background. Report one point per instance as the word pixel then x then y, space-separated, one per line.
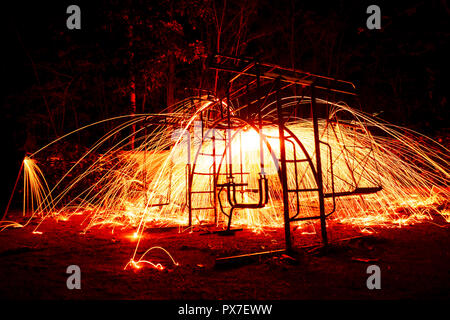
pixel 56 80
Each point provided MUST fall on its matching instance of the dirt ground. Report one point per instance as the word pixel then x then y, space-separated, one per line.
pixel 414 263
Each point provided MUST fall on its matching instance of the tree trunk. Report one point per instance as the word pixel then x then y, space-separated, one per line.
pixel 171 82
pixel 132 83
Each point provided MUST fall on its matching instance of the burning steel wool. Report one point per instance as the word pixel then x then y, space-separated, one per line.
pixel 221 163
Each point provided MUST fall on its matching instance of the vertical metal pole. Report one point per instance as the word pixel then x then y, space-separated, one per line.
pixel 261 145
pixel 283 172
pixel 230 156
pixel 323 223
pixel 248 102
pixel 189 180
pixel 215 175
pixel 144 169
pixel 241 166
pixel 189 193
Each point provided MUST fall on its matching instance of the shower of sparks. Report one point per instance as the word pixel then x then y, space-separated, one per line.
pixel 147 186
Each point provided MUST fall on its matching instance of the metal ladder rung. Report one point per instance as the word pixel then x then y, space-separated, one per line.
pixel 295 161
pixel 234 184
pixel 248 190
pixel 216 139
pixel 202 191
pixel 227 174
pixel 236 173
pixel 303 190
pixel 218 173
pixel 203 173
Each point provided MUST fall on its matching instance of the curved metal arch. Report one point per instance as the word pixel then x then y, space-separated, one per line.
pixel 269 147
pixel 359 125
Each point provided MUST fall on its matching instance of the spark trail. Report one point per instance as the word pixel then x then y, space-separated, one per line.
pixel 147 186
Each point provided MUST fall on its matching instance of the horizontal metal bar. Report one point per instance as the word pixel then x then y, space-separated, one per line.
pixel 357 191
pixel 296 77
pixel 235 173
pixel 202 191
pixel 302 190
pixel 273 75
pixel 273 66
pixel 295 161
pixel 249 66
pixel 203 173
pixel 304 218
pixel 232 184
pixel 248 190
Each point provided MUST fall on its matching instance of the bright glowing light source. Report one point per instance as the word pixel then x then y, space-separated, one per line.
pixel 250 139
pixel 36 194
pixel 135 236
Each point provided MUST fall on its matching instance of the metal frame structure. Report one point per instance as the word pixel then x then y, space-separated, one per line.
pixel 246 75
